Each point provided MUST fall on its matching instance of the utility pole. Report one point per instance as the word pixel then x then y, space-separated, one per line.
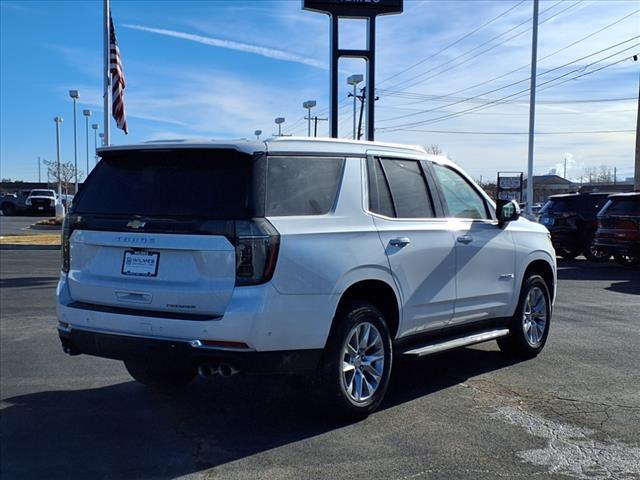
pixel 565 168
pixel 39 179
pixel 636 180
pixel 615 175
pixel 532 107
pixel 317 119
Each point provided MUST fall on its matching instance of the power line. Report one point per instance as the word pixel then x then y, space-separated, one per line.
pixel 464 37
pixel 500 101
pixel 546 56
pixel 464 132
pixel 482 45
pixel 407 115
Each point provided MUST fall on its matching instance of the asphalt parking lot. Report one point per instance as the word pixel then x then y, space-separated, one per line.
pixel 18 225
pixel 574 412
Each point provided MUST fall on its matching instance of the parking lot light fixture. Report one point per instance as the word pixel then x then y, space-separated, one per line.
pixel 59 206
pixel 279 121
pixel 355 80
pixel 87 114
pixel 95 127
pixel 309 104
pixel 75 96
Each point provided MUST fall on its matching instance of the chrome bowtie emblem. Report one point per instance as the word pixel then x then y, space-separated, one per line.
pixel 136 224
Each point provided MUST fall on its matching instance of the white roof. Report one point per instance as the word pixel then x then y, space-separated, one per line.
pixel 277 145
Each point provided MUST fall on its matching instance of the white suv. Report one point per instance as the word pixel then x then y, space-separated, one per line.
pixel 322 258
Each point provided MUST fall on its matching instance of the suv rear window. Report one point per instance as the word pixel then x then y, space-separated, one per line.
pixel 302 185
pixel 619 206
pixel 180 183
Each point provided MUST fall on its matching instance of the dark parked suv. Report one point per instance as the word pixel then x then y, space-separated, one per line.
pixel 572 220
pixel 619 228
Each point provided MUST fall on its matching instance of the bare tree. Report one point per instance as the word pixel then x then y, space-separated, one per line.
pixel 605 175
pixel 434 149
pixel 67 173
pixel 591 173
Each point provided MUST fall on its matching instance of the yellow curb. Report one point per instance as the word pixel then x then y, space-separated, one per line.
pixel 41 239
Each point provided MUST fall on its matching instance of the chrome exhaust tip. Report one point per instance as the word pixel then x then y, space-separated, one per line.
pixel 207 370
pixel 225 370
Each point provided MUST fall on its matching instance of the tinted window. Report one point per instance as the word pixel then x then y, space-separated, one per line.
pixel 379 195
pixel 560 205
pixel 41 193
pixel 462 200
pixel 302 185
pixel 408 188
pixel 185 183
pixel 628 206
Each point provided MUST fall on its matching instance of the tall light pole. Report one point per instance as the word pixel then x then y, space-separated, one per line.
pixel 95 127
pixel 59 205
pixel 279 121
pixel 87 114
pixel 39 178
pixel 101 135
pixel 75 95
pixel 309 104
pixel 354 80
pixel 257 133
pixel 532 108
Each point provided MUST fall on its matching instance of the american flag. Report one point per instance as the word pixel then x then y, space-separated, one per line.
pixel 117 81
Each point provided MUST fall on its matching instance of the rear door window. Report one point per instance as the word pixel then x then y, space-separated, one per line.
pixel 302 185
pixel 409 191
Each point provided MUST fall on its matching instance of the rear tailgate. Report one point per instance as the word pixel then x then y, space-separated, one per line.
pixel 192 274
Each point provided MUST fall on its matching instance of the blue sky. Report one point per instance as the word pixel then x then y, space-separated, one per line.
pixel 225 68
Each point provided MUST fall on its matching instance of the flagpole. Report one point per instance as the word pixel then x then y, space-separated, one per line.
pixel 107 82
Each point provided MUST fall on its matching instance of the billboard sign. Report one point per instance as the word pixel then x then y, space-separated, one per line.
pixel 510 183
pixel 354 8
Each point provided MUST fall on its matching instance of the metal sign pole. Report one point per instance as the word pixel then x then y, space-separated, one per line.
pixel 368 10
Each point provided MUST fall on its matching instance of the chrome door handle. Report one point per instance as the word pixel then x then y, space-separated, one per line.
pixel 466 239
pixel 399 242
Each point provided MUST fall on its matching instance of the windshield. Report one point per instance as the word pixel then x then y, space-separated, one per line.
pixel 178 183
pixel 42 193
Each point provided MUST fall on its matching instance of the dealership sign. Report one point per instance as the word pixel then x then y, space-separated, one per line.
pixel 368 10
pixel 354 8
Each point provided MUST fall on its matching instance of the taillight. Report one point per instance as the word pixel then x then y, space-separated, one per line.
pixel 68 226
pixel 257 243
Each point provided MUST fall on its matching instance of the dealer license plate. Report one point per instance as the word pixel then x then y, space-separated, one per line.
pixel 140 263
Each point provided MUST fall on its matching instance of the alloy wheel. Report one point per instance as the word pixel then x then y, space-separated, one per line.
pixel 534 316
pixel 362 362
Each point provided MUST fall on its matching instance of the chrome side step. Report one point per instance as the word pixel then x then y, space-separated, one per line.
pixel 457 342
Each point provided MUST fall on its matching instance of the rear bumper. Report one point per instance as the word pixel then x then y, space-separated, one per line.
pixel 617 246
pixel 565 238
pixel 271 326
pixel 180 352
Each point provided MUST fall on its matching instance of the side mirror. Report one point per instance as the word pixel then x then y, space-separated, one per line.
pixel 507 211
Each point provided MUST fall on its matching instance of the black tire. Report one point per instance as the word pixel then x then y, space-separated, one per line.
pixel 568 253
pixel 593 254
pixel 626 260
pixel 160 377
pixel 516 343
pixel 8 209
pixel 330 385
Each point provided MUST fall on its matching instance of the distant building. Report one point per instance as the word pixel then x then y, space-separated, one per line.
pixel 546 185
